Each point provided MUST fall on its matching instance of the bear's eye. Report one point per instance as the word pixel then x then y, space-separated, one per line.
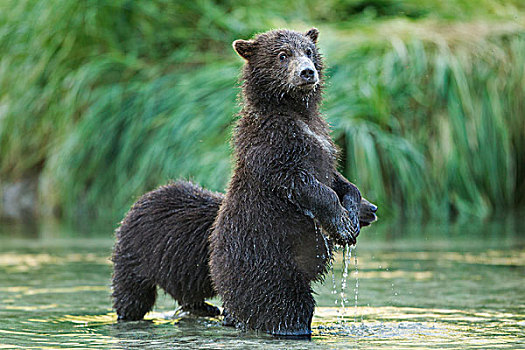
pixel 282 56
pixel 308 53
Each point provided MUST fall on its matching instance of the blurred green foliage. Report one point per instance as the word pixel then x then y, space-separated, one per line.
pixel 104 100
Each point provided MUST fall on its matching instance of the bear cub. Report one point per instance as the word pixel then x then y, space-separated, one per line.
pixel 266 247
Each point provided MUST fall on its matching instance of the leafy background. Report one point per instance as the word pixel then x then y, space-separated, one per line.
pixel 101 101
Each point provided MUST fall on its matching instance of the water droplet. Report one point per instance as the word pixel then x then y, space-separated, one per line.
pixel 346 257
pixel 356 289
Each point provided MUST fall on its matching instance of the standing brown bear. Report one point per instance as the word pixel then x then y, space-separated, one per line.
pixel 266 246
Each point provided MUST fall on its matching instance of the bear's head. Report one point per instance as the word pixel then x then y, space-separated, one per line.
pixel 281 65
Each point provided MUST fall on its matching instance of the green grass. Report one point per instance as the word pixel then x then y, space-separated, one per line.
pixel 440 126
pixel 104 100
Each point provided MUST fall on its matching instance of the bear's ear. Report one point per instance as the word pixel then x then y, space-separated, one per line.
pixel 313 34
pixel 245 48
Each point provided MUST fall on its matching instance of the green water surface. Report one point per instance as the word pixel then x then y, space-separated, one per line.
pixel 417 286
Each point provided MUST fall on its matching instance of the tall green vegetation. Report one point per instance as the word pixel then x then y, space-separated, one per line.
pixel 104 100
pixel 435 127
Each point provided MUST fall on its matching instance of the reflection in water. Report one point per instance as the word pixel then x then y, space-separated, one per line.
pixel 422 292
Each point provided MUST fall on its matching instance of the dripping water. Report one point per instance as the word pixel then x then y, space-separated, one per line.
pixel 319 232
pixel 344 276
pixel 327 246
pixel 356 288
pixel 328 251
pixel 316 228
pixel 334 286
pixel 342 301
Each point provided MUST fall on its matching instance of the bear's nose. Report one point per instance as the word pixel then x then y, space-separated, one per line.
pixel 373 208
pixel 308 75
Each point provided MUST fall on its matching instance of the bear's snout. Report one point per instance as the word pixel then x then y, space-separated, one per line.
pixel 308 75
pixel 304 72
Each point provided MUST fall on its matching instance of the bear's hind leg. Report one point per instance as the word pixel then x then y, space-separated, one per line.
pixel 132 297
pixel 282 307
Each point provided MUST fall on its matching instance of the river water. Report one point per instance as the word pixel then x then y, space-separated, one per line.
pixel 418 286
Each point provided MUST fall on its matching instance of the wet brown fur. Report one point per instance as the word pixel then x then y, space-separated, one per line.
pixel 162 242
pixel 266 247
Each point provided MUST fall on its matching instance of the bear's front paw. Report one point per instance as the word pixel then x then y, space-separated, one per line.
pixel 346 229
